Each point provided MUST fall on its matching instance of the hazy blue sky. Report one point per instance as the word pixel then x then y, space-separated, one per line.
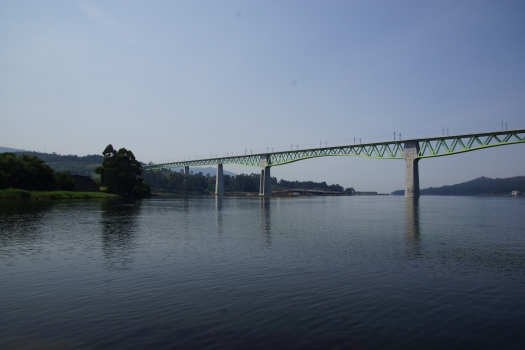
pixel 174 79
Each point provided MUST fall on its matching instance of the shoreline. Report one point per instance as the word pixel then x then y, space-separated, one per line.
pixel 13 193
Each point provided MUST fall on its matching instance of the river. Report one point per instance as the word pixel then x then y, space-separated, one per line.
pixel 255 273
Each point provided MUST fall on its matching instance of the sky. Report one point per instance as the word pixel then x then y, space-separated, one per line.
pixel 177 79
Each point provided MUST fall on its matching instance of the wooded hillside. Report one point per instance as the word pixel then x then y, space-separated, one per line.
pixel 482 186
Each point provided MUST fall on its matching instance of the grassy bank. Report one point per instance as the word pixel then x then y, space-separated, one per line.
pixel 15 193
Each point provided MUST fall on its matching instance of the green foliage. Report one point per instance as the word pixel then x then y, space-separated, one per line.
pixel 120 172
pixel 349 190
pixel 64 181
pixel 310 185
pixel 77 165
pixel 3 181
pixel 25 172
pixel 243 182
pixel 141 191
pixel 175 182
pixel 16 193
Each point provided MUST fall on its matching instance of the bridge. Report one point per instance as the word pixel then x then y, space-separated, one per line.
pixel 409 150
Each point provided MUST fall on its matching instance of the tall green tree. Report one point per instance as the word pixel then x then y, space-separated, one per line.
pixel 121 173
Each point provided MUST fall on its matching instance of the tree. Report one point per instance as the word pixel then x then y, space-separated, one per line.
pixel 25 172
pixel 121 173
pixel 350 191
pixel 64 180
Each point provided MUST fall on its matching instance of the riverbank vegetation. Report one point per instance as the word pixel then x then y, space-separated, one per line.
pixel 30 173
pixel 13 193
pixel 176 182
pixel 27 176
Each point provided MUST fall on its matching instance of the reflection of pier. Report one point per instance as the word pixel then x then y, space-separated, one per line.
pixel 218 217
pixel 302 192
pixel 412 235
pixel 265 221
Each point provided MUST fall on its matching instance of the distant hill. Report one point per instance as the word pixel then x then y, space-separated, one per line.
pixel 84 165
pixel 482 186
pixel 7 149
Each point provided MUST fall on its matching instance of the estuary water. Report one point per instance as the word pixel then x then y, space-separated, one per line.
pixel 210 272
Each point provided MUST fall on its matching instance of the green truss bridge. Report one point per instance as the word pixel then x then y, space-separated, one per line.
pixel 410 150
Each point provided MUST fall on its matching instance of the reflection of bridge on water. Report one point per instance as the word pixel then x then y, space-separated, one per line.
pixel 300 191
pixel 412 234
pixel 410 150
pixel 263 222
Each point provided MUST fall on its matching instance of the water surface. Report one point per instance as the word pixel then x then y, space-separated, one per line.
pixel 242 272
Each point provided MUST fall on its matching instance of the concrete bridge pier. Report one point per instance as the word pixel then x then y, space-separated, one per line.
pixel 265 188
pixel 219 182
pixel 410 155
pixel 186 171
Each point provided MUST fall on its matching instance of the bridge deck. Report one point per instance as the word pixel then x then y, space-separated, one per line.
pixel 428 147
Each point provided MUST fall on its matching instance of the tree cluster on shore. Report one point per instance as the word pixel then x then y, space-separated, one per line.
pixel 28 172
pixel 121 173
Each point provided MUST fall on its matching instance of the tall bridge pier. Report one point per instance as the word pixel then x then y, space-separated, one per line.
pixel 265 188
pixel 410 155
pixel 219 182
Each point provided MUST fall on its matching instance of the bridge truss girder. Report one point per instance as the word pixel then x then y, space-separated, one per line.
pixel 428 147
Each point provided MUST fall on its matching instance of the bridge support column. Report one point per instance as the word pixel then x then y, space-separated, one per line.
pixel 219 182
pixel 265 188
pixel 186 171
pixel 410 155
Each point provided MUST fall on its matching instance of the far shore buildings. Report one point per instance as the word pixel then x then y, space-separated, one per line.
pixel 517 194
